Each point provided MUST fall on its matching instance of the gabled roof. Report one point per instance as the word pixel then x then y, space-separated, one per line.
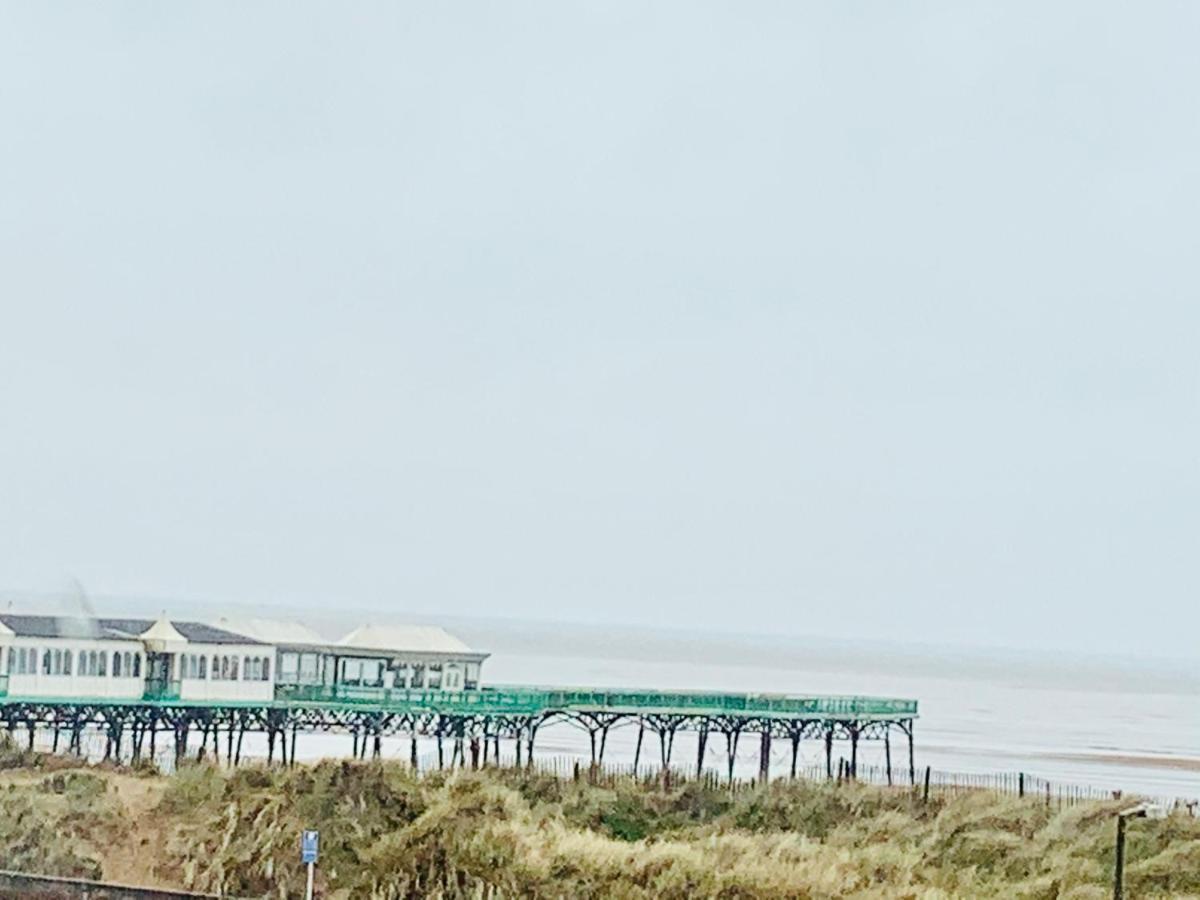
pixel 113 629
pixel 273 631
pixel 414 638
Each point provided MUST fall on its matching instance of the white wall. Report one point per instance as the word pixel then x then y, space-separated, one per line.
pixel 210 688
pixel 38 684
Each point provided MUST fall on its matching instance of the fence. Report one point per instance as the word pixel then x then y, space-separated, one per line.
pixel 929 782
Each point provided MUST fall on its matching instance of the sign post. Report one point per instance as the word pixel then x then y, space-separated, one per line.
pixel 310 844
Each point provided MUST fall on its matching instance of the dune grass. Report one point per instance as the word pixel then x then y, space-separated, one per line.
pixel 387 833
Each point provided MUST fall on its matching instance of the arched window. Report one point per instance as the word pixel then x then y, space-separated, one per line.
pixel 203 667
pixel 67 662
pixel 116 664
pixel 56 663
pixel 216 668
pixel 46 670
pixel 233 669
pixel 137 665
pixel 224 668
pixel 94 664
pixel 11 661
pixel 266 673
pixel 102 663
pixel 126 663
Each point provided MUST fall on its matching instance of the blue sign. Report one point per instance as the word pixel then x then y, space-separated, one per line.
pixel 310 843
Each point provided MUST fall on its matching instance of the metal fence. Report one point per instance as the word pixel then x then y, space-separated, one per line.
pixel 929 782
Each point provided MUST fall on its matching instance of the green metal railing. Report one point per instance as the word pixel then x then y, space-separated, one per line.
pixel 535 700
pixel 3 685
pixel 158 691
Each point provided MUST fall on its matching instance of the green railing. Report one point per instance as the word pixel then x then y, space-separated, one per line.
pixel 162 691
pixel 3 685
pixel 535 700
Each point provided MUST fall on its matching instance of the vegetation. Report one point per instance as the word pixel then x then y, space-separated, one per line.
pixel 501 833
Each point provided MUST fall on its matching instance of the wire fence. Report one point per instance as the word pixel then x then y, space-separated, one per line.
pixel 925 782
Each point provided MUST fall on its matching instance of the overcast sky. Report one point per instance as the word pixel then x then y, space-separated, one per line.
pixel 871 319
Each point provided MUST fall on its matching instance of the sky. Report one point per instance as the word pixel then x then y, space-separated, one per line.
pixel 863 319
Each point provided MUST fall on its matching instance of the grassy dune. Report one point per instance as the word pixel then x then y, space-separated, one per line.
pixel 386 834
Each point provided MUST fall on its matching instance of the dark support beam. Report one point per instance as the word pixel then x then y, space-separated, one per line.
pixel 795 751
pixel 412 752
pixel 912 767
pixel 637 752
pixel 764 755
pixel 701 743
pixel 529 746
pixel 829 751
pixel 853 752
pixel 887 752
pixel 731 742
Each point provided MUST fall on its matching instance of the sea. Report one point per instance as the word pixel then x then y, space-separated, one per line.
pixel 1087 720
pixel 1092 721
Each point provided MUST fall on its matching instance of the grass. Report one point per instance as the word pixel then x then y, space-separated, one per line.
pixel 387 834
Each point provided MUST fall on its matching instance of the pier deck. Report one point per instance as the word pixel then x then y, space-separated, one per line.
pixel 470 720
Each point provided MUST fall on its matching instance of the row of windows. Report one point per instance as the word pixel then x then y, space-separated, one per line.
pixel 24 661
pixel 225 668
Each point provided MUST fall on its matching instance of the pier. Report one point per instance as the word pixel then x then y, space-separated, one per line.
pixel 468 727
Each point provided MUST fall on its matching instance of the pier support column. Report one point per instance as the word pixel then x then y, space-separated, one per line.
pixel 701 742
pixel 795 751
pixel 887 753
pixel 853 773
pixel 637 751
pixel 764 756
pixel 912 768
pixel 731 742
pixel 829 752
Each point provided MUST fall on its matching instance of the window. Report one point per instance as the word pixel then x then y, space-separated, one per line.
pixel 309 668
pixel 203 666
pixel 93 663
pixel 266 668
pixel 66 662
pixel 289 667
pixel 46 663
pixel 137 665
pixel 127 663
pixel 12 660
pixel 224 668
pixel 116 664
pixel 233 669
pixel 418 676
pixel 102 659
